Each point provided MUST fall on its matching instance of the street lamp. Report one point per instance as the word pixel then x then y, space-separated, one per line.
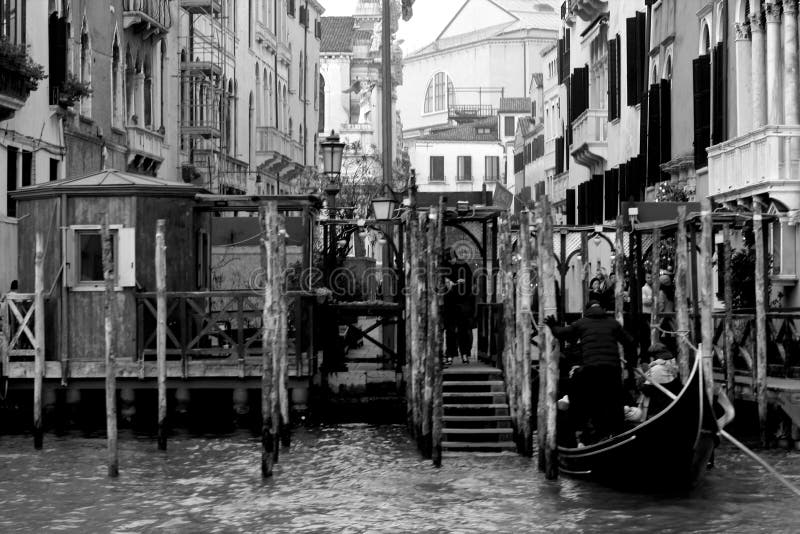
pixel 383 206
pixel 332 149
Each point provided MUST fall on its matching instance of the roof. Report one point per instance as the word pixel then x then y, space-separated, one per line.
pixel 526 14
pixel 465 132
pixel 110 182
pixel 515 105
pixel 337 34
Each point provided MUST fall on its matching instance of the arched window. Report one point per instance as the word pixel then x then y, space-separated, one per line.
pixel 668 69
pixel 163 82
pixel 130 73
pixel 116 83
pixel 250 130
pixel 705 43
pixel 258 95
pixel 265 94
pixel 291 126
pixel 440 93
pixel 86 68
pixel 148 93
pixel 230 125
pixel 301 77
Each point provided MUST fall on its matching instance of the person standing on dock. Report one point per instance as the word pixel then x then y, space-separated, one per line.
pixel 596 392
pixel 459 307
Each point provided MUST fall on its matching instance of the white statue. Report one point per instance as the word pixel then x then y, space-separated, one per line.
pixel 365 101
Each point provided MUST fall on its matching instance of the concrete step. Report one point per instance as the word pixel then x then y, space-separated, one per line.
pixel 475 406
pixel 453 383
pixel 458 368
pixel 478 446
pixel 451 394
pixel 476 418
pixel 477 431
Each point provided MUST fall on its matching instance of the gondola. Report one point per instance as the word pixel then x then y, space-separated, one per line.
pixel 668 452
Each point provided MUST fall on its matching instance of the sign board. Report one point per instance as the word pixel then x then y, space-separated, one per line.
pixel 658 211
pixel 502 197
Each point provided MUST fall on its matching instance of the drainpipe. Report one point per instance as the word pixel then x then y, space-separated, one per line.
pixel 304 98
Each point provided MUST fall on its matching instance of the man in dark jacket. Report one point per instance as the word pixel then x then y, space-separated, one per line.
pixel 596 392
pixel 459 308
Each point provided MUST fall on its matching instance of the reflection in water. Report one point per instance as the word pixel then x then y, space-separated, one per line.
pixel 355 478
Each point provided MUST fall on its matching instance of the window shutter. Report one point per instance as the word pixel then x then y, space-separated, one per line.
pixel 718 126
pixel 631 47
pixel 559 155
pixel 642 56
pixel 126 259
pixel 68 258
pixel 570 206
pixel 560 61
pixel 666 122
pixel 653 134
pixel 581 204
pixel 611 195
pixel 612 79
pixel 702 117
pixel 580 92
pixel 618 76
pixel 596 198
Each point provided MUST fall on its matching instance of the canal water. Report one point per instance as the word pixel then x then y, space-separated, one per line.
pixel 352 479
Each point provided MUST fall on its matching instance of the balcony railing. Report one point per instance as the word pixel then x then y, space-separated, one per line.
pixel 200 7
pixel 468 112
pixel 589 137
pixel 270 139
pixel 146 142
pixel 759 158
pixel 150 16
pixel 13 92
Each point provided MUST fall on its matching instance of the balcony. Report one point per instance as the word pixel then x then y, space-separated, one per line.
pixel 468 112
pixel 265 37
pixel 764 161
pixel 589 139
pixel 202 7
pixel 284 53
pixel 277 149
pixel 145 150
pixel 588 10
pixel 13 92
pixel 150 17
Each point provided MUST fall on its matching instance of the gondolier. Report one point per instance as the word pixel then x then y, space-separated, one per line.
pixel 596 393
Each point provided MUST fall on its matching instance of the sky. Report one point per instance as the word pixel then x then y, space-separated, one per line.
pixel 430 18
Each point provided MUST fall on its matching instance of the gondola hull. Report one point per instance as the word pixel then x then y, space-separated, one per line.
pixel 668 452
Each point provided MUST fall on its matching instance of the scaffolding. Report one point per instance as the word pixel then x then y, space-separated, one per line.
pixel 207 97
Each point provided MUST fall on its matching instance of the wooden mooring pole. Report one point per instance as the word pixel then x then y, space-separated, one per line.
pixel 38 362
pixel 551 366
pixel 728 285
pixel 283 335
pixel 656 284
pixel 430 328
pixel 681 295
pixel 420 339
pixel 523 346
pixel 161 331
pixel 267 217
pixel 707 297
pixel 435 330
pixel 111 348
pixel 761 323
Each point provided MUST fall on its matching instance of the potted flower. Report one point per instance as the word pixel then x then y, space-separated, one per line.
pixel 72 90
pixel 16 63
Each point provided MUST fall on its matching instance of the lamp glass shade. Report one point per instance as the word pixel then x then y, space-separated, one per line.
pixel 383 207
pixel 332 150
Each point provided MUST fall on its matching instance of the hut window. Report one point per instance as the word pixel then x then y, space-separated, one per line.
pixel 83 257
pixel 90 266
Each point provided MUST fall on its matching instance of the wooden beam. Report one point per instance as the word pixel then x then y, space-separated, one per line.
pixel 38 341
pixel 161 331
pixel 550 356
pixel 655 269
pixel 730 371
pixel 266 216
pixel 523 352
pixel 761 322
pixel 707 298
pixel 681 295
pixel 111 318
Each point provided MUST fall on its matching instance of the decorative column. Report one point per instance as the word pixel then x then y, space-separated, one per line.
pixel 774 93
pixel 138 91
pixel 791 81
pixel 759 87
pixel 744 81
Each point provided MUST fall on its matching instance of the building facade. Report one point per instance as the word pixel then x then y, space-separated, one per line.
pixel 478 70
pixel 351 88
pixel 219 93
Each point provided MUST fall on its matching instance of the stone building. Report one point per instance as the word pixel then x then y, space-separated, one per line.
pixel 220 93
pixel 480 67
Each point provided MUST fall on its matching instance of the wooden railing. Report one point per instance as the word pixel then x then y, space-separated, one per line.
pixel 18 315
pixel 224 326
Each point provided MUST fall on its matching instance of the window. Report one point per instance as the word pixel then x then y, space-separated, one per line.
pixel 598 82
pixel 53 169
pixel 464 168
pixel 83 256
pixel 11 179
pixel 436 99
pixel 27 168
pixel 491 168
pixel 12 20
pixel 290 8
pixel 436 169
pixel 86 69
pixel 510 126
pixel 775 248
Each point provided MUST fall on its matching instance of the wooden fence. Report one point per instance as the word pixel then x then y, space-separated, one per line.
pixel 18 315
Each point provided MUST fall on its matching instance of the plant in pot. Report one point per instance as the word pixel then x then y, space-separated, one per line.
pixel 14 59
pixel 72 90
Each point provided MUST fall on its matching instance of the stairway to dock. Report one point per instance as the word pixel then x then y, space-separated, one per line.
pixel 475 410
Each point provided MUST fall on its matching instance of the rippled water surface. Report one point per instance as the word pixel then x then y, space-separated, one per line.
pixel 356 478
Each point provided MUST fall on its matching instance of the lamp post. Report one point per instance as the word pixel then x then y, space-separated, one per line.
pixel 332 149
